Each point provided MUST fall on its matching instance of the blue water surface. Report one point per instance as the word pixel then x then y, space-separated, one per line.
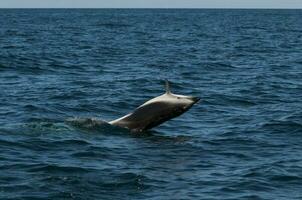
pixel 242 141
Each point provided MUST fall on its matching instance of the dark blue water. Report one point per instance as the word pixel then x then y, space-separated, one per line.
pixel 242 141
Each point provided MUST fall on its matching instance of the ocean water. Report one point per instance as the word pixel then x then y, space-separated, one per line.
pixel 242 141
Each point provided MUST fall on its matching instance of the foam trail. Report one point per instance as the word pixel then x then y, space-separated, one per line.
pixel 88 123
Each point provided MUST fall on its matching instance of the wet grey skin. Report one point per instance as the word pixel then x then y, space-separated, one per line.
pixel 156 111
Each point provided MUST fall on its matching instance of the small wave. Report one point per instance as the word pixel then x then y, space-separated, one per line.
pixel 219 66
pixel 239 102
pixel 233 100
pixel 30 107
pixel 112 25
pixel 15 187
pixel 72 142
pixel 128 181
pixel 254 185
pixel 250 196
pixel 155 137
pixel 248 141
pixel 11 144
pixel 58 169
pixel 89 154
pixel 68 95
pixel 286 178
pixel 279 126
pixel 45 126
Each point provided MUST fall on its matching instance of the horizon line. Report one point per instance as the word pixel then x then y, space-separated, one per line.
pixel 235 8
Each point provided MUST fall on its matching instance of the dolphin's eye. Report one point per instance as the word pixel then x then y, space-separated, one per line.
pixel 178 97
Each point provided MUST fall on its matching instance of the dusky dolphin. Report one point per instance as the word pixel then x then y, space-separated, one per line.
pixel 156 111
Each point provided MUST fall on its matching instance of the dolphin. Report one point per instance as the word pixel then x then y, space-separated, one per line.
pixel 156 111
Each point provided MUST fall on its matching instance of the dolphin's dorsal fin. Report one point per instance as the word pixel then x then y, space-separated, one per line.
pixel 168 91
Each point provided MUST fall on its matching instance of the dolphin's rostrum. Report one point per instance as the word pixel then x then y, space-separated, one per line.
pixel 156 111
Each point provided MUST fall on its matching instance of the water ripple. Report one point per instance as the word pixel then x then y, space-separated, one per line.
pixel 64 73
